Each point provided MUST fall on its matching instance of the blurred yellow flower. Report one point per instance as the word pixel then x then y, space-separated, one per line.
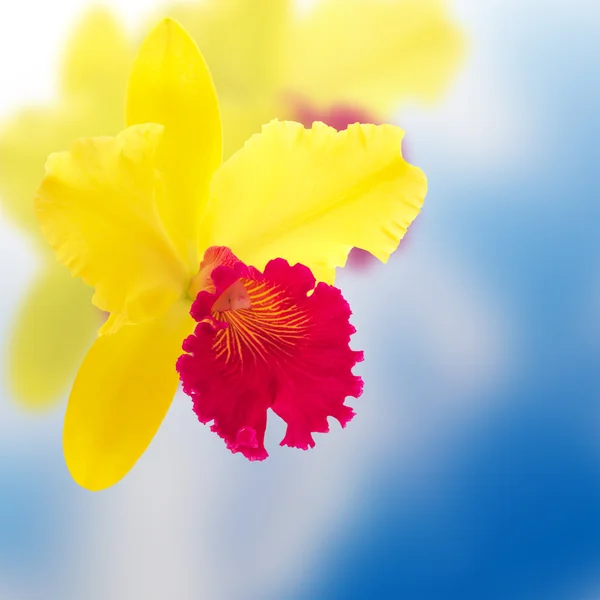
pixel 144 218
pixel 266 62
pixel 269 61
pixel 56 323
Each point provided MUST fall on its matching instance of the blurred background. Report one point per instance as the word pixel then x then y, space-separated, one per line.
pixel 472 469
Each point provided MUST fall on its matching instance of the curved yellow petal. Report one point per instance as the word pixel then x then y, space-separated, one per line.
pixel 373 53
pixel 97 207
pixel 310 195
pixel 55 326
pixel 97 59
pixel 120 397
pixel 170 84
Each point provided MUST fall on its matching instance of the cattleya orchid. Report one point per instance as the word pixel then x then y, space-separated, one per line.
pixel 221 273
pixel 341 62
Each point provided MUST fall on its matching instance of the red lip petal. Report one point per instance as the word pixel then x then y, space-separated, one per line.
pixel 289 352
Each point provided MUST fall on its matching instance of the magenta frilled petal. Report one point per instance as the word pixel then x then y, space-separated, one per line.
pixel 268 340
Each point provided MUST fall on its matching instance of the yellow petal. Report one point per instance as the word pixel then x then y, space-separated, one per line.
pixel 171 85
pixel 54 328
pixel 373 53
pixel 310 195
pixel 98 209
pixel 120 397
pixel 97 59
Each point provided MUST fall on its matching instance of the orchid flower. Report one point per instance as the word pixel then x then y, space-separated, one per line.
pixel 341 62
pixel 218 274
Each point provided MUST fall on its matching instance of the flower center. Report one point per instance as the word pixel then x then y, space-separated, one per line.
pixel 234 297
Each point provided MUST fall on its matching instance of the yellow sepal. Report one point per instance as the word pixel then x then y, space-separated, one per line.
pixel 121 396
pixel 170 84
